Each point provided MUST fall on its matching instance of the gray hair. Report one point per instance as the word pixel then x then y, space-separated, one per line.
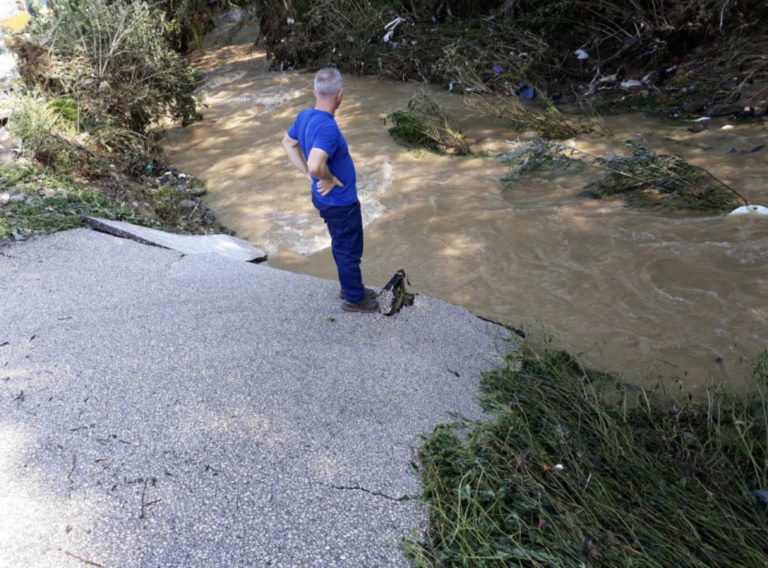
pixel 328 82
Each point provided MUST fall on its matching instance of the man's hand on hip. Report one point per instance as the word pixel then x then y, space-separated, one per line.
pixel 324 186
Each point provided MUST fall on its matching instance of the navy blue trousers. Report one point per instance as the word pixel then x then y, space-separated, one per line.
pixel 345 224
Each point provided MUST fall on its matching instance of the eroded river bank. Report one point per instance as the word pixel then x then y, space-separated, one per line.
pixel 637 291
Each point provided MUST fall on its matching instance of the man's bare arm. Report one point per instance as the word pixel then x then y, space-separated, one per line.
pixel 293 151
pixel 318 167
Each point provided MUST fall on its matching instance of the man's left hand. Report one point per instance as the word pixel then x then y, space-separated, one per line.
pixel 324 186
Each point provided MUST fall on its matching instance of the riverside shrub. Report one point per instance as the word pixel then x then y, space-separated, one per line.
pixel 113 60
pixel 682 50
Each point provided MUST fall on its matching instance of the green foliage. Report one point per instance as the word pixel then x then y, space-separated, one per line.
pixel 190 20
pixel 52 133
pixel 642 179
pixel 496 44
pixel 119 62
pixel 647 179
pixel 536 155
pixel 102 73
pixel 576 469
pixel 53 203
pixel 46 130
pixel 425 123
pixel 166 200
pixel 65 108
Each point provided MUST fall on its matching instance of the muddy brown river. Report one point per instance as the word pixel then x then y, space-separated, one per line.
pixel 644 293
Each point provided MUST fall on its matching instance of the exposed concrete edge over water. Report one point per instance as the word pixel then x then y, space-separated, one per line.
pixel 162 409
pixel 225 245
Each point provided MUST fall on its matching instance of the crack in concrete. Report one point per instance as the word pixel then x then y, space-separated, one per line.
pixel 376 493
pixel 170 264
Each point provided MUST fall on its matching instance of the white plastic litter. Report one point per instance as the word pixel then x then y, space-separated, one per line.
pixel 390 28
pixel 752 210
pixel 581 54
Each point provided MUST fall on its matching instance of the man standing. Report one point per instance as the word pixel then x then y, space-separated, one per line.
pixel 314 145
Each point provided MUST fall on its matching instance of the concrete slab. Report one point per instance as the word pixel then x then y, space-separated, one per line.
pixel 166 410
pixel 225 245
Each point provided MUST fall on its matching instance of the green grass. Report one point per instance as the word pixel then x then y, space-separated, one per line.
pixel 576 469
pixel 54 202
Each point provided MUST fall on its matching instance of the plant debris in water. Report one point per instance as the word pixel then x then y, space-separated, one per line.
pixel 536 155
pixel 643 179
pixel 576 469
pixel 425 123
pixel 647 179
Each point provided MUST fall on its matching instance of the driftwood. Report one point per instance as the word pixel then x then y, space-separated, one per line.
pixel 395 294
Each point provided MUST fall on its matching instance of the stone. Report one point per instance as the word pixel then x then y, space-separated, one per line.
pixel 7 141
pixel 8 158
pixel 724 110
pixel 17 198
pixel 4 198
pixel 188 204
pixel 695 106
pixel 197 191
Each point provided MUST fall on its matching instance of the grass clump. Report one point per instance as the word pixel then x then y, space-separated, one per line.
pixel 576 469
pixel 46 131
pixel 47 202
pixel 426 124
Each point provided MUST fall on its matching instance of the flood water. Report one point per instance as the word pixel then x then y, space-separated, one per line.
pixel 640 292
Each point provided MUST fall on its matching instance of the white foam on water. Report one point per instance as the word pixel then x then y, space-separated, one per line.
pixel 267 98
pixel 235 100
pixel 306 233
pixel 219 79
pixel 373 181
pixel 296 232
pixel 277 95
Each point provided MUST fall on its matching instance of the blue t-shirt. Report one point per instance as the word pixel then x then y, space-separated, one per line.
pixel 318 129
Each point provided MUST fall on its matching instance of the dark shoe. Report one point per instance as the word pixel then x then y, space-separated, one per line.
pixel 369 294
pixel 367 306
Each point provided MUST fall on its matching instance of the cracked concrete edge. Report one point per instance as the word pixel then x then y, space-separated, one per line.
pixel 224 245
pixel 102 227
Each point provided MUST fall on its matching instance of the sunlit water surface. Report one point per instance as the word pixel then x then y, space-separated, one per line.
pixel 642 292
